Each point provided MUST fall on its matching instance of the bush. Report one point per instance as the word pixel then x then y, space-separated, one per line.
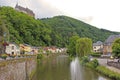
pixel 103 70
pixel 96 54
pixel 39 56
pixel 3 56
pixel 85 59
pixel 93 64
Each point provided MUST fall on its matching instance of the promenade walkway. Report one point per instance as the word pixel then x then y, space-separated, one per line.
pixel 103 62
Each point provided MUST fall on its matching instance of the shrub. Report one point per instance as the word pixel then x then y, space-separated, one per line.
pixel 4 56
pixel 85 59
pixel 96 54
pixel 93 64
pixel 103 70
pixel 39 56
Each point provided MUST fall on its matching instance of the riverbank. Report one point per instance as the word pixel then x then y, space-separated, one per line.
pixel 108 72
pixel 103 62
pixel 104 69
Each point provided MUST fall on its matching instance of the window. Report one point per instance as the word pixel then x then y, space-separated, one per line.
pixel 12 47
pixel 12 53
pixel 94 47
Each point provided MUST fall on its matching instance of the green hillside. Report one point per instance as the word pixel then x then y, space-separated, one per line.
pixel 21 28
pixel 66 27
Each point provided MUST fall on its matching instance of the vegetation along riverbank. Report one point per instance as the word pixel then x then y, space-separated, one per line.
pixel 81 47
pixel 103 70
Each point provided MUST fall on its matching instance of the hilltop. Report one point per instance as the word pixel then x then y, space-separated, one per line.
pixel 54 31
pixel 66 26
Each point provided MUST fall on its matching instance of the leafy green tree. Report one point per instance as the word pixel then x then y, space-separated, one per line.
pixel 25 29
pixel 72 45
pixel 66 27
pixel 4 34
pixel 40 51
pixel 54 31
pixel 83 46
pixel 116 48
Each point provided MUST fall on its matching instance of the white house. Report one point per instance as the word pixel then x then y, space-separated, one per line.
pixel 98 46
pixel 12 49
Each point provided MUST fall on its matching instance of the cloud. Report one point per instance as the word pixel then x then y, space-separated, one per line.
pixel 86 19
pixel 39 7
pixel 105 13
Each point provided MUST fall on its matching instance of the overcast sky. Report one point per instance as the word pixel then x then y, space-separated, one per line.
pixel 100 13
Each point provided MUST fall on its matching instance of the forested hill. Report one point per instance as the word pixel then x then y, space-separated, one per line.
pixel 21 28
pixel 67 26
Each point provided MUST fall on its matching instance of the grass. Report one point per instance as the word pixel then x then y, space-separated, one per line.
pixel 103 70
pixel 109 73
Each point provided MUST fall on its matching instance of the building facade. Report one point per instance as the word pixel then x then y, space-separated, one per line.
pixel 107 48
pixel 24 10
pixel 12 49
pixel 98 47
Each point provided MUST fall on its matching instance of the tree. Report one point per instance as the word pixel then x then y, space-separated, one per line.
pixel 4 32
pixel 116 48
pixel 54 31
pixel 72 45
pixel 83 46
pixel 4 35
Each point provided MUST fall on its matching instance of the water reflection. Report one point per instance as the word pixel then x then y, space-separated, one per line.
pixel 60 68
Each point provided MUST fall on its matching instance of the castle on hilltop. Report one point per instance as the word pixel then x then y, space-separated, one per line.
pixel 24 10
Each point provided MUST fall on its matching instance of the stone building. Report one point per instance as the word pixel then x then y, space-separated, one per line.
pixel 24 10
pixel 107 48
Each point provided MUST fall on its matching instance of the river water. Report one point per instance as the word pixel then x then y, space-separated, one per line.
pixel 61 68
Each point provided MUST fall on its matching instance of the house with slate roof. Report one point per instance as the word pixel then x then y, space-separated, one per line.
pixel 98 46
pixel 107 48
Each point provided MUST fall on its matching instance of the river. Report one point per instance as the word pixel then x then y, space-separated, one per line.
pixel 61 68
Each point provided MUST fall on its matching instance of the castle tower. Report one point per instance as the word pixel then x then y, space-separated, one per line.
pixel 24 10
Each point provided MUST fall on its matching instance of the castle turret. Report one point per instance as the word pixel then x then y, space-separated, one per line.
pixel 24 10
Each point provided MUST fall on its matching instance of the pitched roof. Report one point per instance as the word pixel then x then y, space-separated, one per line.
pixel 98 43
pixel 111 38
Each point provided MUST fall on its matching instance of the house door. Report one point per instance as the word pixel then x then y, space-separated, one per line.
pixel 12 53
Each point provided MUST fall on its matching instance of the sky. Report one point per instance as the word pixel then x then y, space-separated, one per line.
pixel 100 13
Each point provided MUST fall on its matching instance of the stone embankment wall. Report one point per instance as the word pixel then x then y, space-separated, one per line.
pixel 114 64
pixel 19 69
